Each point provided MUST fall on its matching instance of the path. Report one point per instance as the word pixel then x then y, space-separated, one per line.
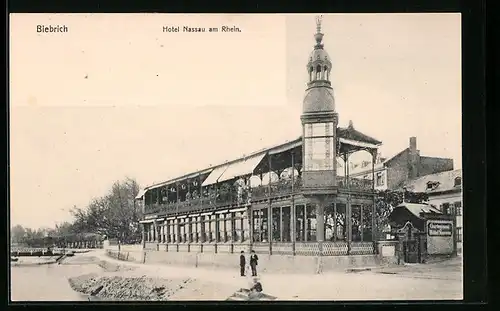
pixel 329 286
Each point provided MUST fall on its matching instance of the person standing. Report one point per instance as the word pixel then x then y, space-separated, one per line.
pixel 254 262
pixel 243 262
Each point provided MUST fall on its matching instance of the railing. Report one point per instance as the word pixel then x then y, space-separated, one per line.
pixel 205 203
pixel 356 184
pixel 229 196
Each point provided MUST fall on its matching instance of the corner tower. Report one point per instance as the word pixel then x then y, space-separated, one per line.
pixel 319 124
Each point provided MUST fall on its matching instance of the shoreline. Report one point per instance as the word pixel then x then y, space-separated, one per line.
pixel 131 281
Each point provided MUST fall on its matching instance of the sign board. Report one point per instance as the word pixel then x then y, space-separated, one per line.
pixel 439 228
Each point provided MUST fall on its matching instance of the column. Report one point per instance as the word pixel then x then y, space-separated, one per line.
pixel 143 226
pixel 320 220
pixel 250 226
pixel 334 221
pixel 269 211
pixel 292 207
pixel 281 223
pixel 320 224
pixel 374 208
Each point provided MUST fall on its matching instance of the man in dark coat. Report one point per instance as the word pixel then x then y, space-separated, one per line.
pixel 242 263
pixel 253 263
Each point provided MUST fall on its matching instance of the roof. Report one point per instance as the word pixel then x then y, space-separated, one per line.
pixel 436 183
pixel 140 194
pixel 345 135
pixel 352 134
pixel 417 209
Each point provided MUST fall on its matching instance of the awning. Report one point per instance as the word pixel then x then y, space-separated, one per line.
pixel 357 143
pixel 140 194
pixel 180 217
pixel 238 210
pixel 170 218
pixel 160 219
pixel 206 214
pixel 146 221
pixel 222 212
pixel 194 215
pixel 214 175
pixel 242 167
pixel 286 147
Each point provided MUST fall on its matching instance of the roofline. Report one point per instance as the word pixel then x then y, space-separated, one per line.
pixel 264 150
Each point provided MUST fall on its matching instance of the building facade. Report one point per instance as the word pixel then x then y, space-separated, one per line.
pixel 391 173
pixel 445 193
pixel 288 199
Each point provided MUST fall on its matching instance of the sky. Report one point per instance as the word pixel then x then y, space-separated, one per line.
pixel 116 96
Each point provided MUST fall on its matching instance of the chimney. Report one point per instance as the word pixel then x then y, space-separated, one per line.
pixel 414 159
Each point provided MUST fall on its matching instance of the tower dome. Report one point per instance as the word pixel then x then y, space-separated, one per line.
pixel 319 95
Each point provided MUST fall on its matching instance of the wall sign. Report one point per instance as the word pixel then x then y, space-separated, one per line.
pixel 440 229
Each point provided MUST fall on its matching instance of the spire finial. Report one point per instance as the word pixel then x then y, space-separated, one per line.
pixel 319 18
pixel 318 36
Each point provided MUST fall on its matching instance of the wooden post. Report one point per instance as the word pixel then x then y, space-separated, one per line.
pixel 334 221
pixel 348 206
pixel 374 208
pixel 269 210
pixel 292 208
pixel 281 223
pixel 320 224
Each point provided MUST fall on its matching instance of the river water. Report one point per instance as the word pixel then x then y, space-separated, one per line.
pixel 47 282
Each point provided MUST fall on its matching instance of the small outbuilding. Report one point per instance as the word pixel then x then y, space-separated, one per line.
pixel 423 231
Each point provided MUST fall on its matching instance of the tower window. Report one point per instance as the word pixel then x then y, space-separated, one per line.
pixel 318 72
pixel 458 181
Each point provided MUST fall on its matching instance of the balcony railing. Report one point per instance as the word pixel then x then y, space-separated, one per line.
pixel 230 196
pixel 284 187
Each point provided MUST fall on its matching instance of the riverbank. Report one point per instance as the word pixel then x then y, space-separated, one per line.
pixel 119 280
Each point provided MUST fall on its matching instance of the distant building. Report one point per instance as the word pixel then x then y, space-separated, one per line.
pixel 408 164
pixel 445 193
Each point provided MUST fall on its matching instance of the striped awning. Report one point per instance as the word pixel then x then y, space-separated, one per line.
pixel 241 168
pixel 214 175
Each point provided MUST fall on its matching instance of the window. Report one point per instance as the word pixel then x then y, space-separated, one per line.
pixel 319 146
pixel 311 223
pixel 206 229
pixel 445 208
pixel 229 227
pixel 379 179
pixel 458 181
pixel 299 223
pixel 458 208
pixel 221 232
pixel 286 222
pixel 238 227
pixel 432 185
pixel 260 225
pixel 276 224
pixel 459 234
pixel 213 233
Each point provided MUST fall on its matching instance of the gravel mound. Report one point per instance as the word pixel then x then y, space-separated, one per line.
pixel 128 288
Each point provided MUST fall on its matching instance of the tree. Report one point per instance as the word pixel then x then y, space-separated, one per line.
pixel 17 234
pixel 114 215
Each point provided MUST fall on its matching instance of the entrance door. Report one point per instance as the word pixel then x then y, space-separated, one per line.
pixel 411 251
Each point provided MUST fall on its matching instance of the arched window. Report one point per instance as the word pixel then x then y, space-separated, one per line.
pixel 318 72
pixel 458 181
pixel 311 69
pixel 326 73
